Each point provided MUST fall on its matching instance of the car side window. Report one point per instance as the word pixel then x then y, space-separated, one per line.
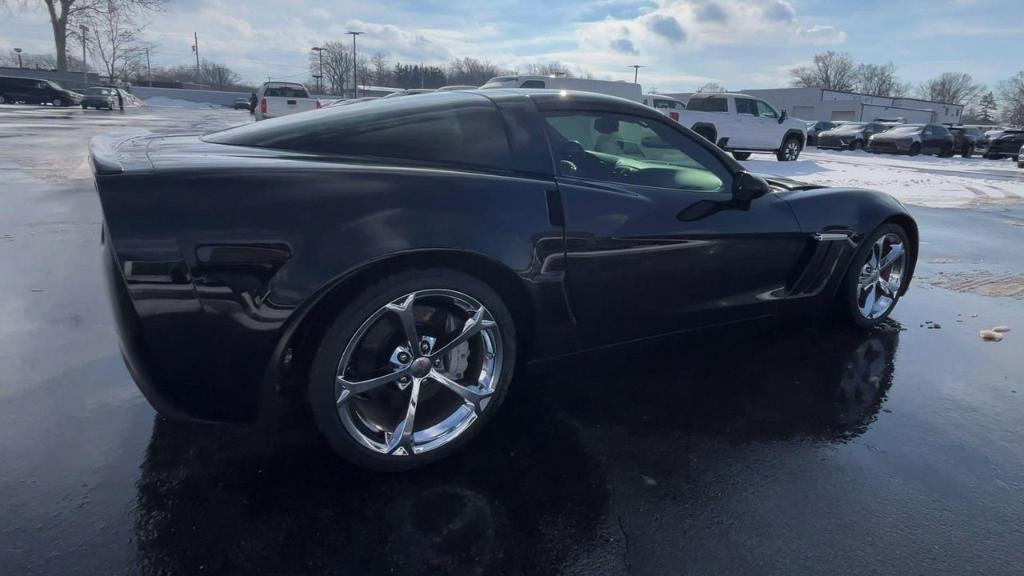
pixel 746 106
pixel 715 104
pixel 617 148
pixel 765 111
pixel 532 84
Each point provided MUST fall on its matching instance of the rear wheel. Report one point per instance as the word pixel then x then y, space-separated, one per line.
pixel 57 102
pixel 946 151
pixel 856 145
pixel 790 150
pixel 967 151
pixel 741 155
pixel 876 275
pixel 915 149
pixel 3 99
pixel 412 369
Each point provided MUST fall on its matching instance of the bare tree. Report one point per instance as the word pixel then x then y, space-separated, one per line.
pixel 217 74
pixel 879 80
pixel 116 38
pixel 1011 92
pixel 712 87
pixel 549 69
pixel 830 70
pixel 65 15
pixel 381 69
pixel 472 71
pixel 951 88
pixel 337 58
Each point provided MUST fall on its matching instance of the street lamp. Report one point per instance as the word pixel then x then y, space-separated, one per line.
pixel 636 71
pixel 18 52
pixel 320 78
pixel 355 65
pixel 85 67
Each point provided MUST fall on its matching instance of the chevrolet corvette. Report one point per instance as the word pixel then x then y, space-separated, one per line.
pixel 392 264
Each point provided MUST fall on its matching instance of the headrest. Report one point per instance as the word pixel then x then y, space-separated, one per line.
pixel 606 125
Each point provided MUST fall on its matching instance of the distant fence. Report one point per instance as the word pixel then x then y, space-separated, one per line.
pixel 222 98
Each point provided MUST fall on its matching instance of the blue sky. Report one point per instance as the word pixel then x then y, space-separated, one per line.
pixel 681 43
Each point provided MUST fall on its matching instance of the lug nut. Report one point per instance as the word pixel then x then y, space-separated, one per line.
pixel 404 379
pixel 403 357
pixel 437 363
pixel 425 347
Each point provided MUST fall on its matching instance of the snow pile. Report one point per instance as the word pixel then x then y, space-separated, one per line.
pixel 175 103
pixel 922 180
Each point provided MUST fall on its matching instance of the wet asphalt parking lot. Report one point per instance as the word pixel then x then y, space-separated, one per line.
pixel 763 449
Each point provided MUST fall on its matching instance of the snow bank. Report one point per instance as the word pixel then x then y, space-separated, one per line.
pixel 175 103
pixel 921 180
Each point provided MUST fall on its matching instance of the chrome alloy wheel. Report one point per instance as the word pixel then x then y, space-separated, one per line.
pixel 881 276
pixel 418 372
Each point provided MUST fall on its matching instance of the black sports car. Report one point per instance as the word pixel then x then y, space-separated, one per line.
pixel 849 135
pixel 392 263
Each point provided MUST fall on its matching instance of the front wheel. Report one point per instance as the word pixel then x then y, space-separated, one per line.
pixel 741 155
pixel 412 369
pixel 876 275
pixel 790 150
pixel 57 102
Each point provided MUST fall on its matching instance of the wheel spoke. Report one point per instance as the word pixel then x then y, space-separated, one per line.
pixel 473 398
pixel 404 311
pixel 401 436
pixel 885 287
pixel 366 385
pixel 869 301
pixel 894 255
pixel 475 324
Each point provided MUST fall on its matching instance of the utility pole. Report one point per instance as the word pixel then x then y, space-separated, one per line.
pixel 149 71
pixel 355 65
pixel 18 52
pixel 636 71
pixel 195 48
pixel 320 79
pixel 85 68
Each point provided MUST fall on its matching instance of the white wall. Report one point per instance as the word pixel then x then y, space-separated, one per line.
pixel 209 96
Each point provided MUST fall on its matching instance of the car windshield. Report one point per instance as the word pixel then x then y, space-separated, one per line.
pixel 850 127
pixel 99 91
pixel 905 130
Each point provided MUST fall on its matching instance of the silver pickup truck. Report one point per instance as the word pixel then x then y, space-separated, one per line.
pixel 282 98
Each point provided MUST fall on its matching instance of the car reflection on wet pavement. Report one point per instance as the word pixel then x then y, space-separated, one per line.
pixel 530 491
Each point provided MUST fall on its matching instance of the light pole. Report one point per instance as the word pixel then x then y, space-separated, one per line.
pixel 320 79
pixel 149 71
pixel 636 71
pixel 195 48
pixel 18 52
pixel 85 68
pixel 355 65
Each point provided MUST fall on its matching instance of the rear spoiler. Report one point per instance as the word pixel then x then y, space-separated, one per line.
pixel 118 152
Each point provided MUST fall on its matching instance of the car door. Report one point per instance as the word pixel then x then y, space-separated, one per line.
pixel 748 127
pixel 655 241
pixel 770 131
pixel 929 140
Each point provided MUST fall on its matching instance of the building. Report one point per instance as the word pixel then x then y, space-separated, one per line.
pixel 821 104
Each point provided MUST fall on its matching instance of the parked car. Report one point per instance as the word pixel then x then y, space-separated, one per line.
pixel 240 104
pixel 743 124
pixel 283 98
pixel 816 128
pixel 1020 157
pixel 410 92
pixel 100 97
pixel 1006 144
pixel 457 87
pixel 849 136
pixel 35 91
pixel 431 244
pixel 667 105
pixel 913 139
pixel 627 90
pixel 966 140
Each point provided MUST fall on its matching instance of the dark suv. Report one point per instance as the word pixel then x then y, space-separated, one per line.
pixel 1005 145
pixel 35 91
pixel 849 136
pixel 913 139
pixel 816 128
pixel 966 140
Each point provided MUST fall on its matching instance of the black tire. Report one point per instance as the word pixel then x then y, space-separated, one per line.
pixel 84 107
pixel 741 155
pixel 847 305
pixel 967 151
pixel 790 150
pixel 323 372
pixel 946 151
pixel 915 149
pixel 4 99
pixel 856 145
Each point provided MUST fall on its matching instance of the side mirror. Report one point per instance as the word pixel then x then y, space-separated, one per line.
pixel 571 150
pixel 783 116
pixel 747 187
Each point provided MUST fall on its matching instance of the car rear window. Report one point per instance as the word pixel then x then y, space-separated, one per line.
pixel 455 128
pixel 286 92
pixel 714 104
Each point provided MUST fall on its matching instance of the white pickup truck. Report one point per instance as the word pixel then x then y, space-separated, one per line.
pixel 282 98
pixel 743 124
